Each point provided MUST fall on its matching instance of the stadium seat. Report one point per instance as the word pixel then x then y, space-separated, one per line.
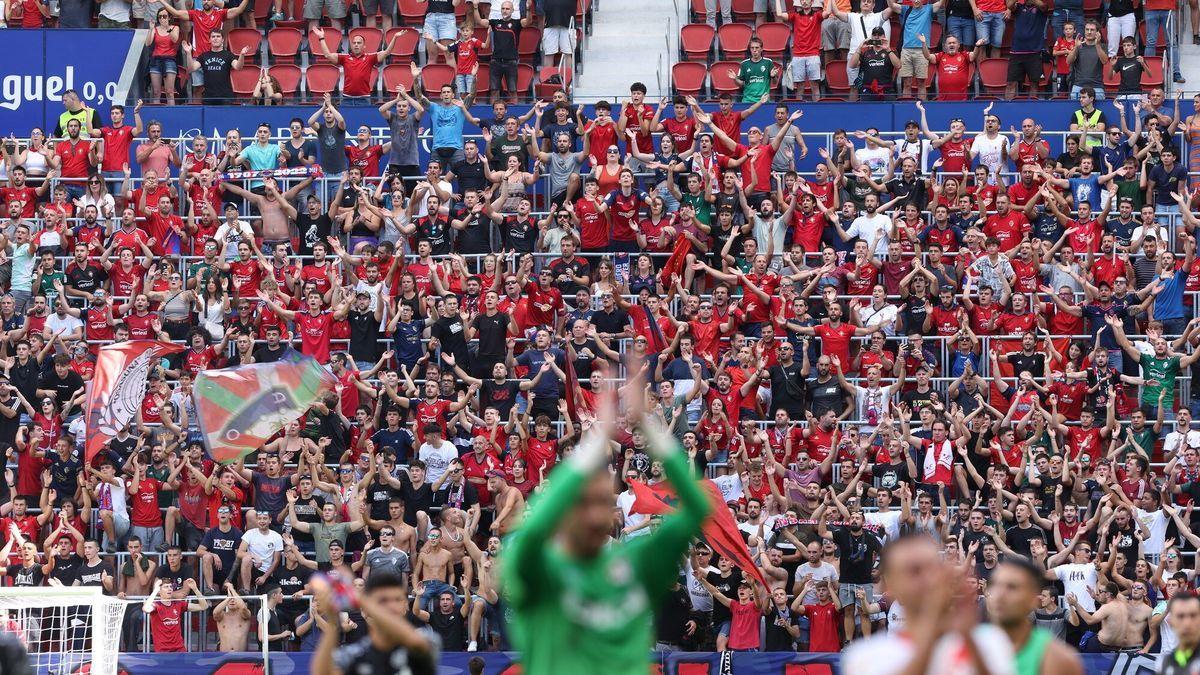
pixel 543 90
pixel 1153 77
pixel 774 37
pixel 1091 8
pixel 412 12
pixel 485 49
pixel 372 36
pixel 1112 81
pixel 295 24
pixel 699 11
pixel 405 49
pixel 721 78
pixel 289 77
pixel 993 75
pixel 395 73
pixel 321 79
pixel 696 41
pixel 734 41
pixel 528 44
pixel 284 43
pixel 434 75
pixel 333 40
pixel 249 38
pixel 743 10
pixel 689 78
pixel 525 75
pixel 243 81
pixel 483 81
pixel 935 40
pixel 836 79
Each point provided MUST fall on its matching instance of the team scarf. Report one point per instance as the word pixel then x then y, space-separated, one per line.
pixel 313 171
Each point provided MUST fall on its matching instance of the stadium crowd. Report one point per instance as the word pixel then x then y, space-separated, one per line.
pixel 956 333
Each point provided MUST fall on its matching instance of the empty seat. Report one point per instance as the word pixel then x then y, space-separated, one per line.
pixel 284 43
pixel 434 75
pixel 774 37
pixel 247 38
pixel 696 40
pixel 1153 77
pixel 837 81
pixel 688 77
pixel 544 90
pixel 321 79
pixel 721 76
pixel 734 40
pixel 288 75
pixel 333 40
pixel 993 75
pixel 405 48
pixel 395 73
pixel 243 81
pixel 528 43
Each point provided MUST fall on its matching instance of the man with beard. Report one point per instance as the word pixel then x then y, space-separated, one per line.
pixel 859 550
pixel 1012 597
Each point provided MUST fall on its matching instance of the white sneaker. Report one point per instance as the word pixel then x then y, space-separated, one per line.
pixel 473 646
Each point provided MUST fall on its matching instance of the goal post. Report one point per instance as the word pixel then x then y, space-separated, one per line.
pixel 65 629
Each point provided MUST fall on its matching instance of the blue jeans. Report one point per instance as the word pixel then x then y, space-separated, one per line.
pixel 991 28
pixel 1075 89
pixel 1167 215
pixel 112 182
pixel 1061 16
pixel 464 85
pixel 962 28
pixel 1156 19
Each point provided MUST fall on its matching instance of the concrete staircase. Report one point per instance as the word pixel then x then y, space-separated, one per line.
pixel 631 41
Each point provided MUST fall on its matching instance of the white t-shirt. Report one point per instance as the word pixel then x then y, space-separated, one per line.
pixel 891 652
pixel 1167 640
pixel 869 316
pixel 858 22
pixel 1155 521
pixel 625 502
pixel 890 522
pixel 991 151
pixel 112 497
pixel 919 150
pixel 233 235
pixel 702 600
pixel 437 460
pixel 65 324
pixel 263 546
pixel 1159 232
pixel 896 618
pixel 821 572
pixel 1076 579
pixel 1174 442
pixel 876 159
pixel 868 228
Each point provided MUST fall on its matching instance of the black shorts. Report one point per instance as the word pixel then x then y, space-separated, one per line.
pixel 1022 66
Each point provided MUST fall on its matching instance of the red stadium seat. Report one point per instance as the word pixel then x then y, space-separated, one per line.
pixel 993 75
pixel 774 37
pixel 434 75
pixel 1091 8
pixel 395 73
pixel 485 49
pixel 696 41
pixel 1153 77
pixel 483 81
pixel 721 77
pixel 1112 81
pixel 527 44
pixel 836 79
pixel 321 79
pixel 734 40
pixel 743 10
pixel 689 78
pixel 525 75
pixel 295 24
pixel 333 40
pixel 405 49
pixel 543 90
pixel 248 38
pixel 372 36
pixel 935 41
pixel 412 12
pixel 243 81
pixel 288 76
pixel 284 43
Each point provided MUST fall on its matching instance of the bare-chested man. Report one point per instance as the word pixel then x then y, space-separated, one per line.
pixel 406 535
pixel 136 579
pixel 434 571
pixel 510 504
pixel 233 621
pixel 1122 620
pixel 455 531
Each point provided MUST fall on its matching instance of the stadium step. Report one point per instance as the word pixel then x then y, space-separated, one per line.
pixel 1189 55
pixel 632 41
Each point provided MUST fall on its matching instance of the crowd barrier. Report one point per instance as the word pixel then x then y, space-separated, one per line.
pixel 496 663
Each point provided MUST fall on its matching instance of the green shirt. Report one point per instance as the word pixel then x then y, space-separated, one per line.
pixel 47 286
pixel 573 615
pixel 1029 659
pixel 1164 371
pixel 700 204
pixel 756 79
pixel 322 534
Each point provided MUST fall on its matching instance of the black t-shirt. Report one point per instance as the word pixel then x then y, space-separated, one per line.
pixel 778 639
pixel 437 231
pixel 216 67
pixel 915 399
pixel 672 616
pixel 86 278
pixel 501 396
pixel 519 234
pixel 379 494
pixel 66 568
pixel 787 389
pixel 1018 538
pixel 364 335
pixel 728 587
pixel 1035 363
pixel 364 657
pixel 858 552
pixel 291 581
pixel 23 577
pixel 93 575
pixel 824 396
pixel 492 333
pixel 265 354
pixel 506 33
pixel 450 628
pixel 890 475
pixel 470 174
pixel 312 230
pixel 25 377
pixel 564 271
pixel 64 387
pixel 452 333
pixel 415 499
pixel 476 238
pixel 611 323
pixel 462 496
pixel 176 577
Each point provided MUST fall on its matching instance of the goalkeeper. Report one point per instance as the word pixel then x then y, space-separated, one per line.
pixel 582 605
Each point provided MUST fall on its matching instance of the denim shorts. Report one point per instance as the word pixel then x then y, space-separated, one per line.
pixel 162 65
pixel 991 28
pixel 440 26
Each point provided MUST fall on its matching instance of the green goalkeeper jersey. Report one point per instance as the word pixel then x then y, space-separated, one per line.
pixel 593 616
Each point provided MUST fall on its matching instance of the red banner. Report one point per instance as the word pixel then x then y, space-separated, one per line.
pixel 118 387
pixel 719 529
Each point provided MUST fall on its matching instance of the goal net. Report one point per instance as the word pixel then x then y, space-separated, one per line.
pixel 64 630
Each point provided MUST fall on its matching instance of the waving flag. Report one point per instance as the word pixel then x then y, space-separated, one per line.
pixel 719 528
pixel 118 388
pixel 674 265
pixel 239 409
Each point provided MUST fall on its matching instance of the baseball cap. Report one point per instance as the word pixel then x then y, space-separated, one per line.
pixel 230 205
pixel 911 124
